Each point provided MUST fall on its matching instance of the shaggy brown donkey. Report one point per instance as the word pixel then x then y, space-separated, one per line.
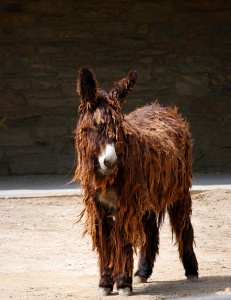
pixel 133 169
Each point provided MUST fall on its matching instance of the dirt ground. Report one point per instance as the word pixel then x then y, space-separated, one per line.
pixel 42 254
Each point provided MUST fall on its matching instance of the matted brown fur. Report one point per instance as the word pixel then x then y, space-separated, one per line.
pixel 153 145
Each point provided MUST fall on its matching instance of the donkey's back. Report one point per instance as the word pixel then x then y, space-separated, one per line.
pixel 165 145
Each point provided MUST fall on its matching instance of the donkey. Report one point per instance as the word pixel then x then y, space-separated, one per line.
pixel 133 169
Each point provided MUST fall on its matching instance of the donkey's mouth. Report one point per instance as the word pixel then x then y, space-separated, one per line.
pixel 108 170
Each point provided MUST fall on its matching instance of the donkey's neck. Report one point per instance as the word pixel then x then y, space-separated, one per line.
pixel 109 199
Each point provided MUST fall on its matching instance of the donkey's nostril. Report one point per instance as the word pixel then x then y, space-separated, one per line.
pixel 109 164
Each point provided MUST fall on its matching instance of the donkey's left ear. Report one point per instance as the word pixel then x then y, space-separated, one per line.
pixel 124 87
pixel 87 85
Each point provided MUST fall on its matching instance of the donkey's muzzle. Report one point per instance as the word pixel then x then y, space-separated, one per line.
pixel 108 159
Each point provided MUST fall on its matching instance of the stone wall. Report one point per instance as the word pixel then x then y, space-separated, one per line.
pixel 181 50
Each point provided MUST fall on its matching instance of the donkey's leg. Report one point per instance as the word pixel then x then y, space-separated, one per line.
pixel 105 250
pixel 149 251
pixel 179 214
pixel 123 270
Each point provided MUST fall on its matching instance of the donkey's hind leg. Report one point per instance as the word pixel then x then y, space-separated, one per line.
pixel 149 251
pixel 179 214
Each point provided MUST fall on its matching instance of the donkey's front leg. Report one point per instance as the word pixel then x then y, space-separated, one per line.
pixel 123 270
pixel 106 257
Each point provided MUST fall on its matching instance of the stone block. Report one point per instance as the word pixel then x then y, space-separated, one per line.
pixel 199 17
pixel 174 35
pixel 115 56
pixel 201 6
pixel 2 154
pixel 4 163
pixel 196 85
pixel 193 63
pixel 130 42
pixel 212 34
pixel 56 131
pixel 227 123
pixel 46 101
pixel 15 84
pixel 69 71
pixel 114 27
pixel 210 105
pixel 163 81
pixel 146 60
pixel 11 100
pixel 19 20
pixel 56 20
pixel 21 117
pixel 67 163
pixel 50 83
pixel 68 87
pixel 149 12
pixel 49 7
pixel 53 121
pixel 37 148
pixel 15 65
pixel 93 13
pixel 13 6
pixel 41 33
pixel 35 164
pixel 200 124
pixel 15 137
pixel 78 32
pixel 51 47
pixel 16 50
pixel 42 70
pixel 156 50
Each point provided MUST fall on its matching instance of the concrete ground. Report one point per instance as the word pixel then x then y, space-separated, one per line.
pixel 60 185
pixel 43 255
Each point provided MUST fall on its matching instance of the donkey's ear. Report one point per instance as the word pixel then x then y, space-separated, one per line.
pixel 87 85
pixel 123 88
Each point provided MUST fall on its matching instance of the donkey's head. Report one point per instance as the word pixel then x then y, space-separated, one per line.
pixel 99 128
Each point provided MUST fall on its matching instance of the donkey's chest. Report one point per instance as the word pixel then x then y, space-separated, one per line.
pixel 109 199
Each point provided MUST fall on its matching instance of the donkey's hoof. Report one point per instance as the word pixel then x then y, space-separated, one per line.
pixel 125 291
pixel 192 278
pixel 139 279
pixel 104 291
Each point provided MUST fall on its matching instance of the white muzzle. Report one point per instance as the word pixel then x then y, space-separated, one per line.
pixel 108 159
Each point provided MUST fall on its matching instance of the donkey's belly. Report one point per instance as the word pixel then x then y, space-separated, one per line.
pixel 109 199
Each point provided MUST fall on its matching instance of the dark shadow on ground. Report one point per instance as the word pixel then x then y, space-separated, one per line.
pixel 172 289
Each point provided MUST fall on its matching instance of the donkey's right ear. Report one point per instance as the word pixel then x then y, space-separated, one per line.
pixel 124 87
pixel 87 85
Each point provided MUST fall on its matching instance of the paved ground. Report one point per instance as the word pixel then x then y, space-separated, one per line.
pixel 44 257
pixel 58 185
